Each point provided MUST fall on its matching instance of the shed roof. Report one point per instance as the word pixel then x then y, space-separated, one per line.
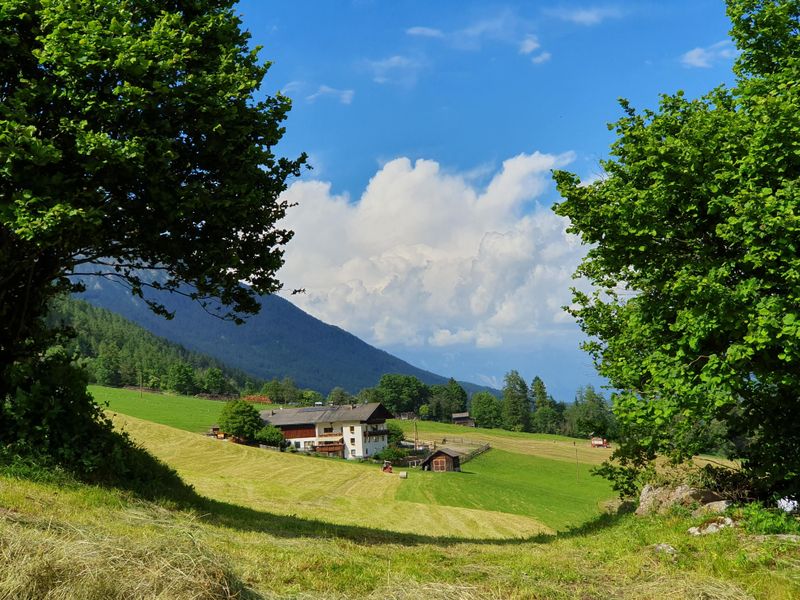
pixel 461 415
pixel 311 415
pixel 447 451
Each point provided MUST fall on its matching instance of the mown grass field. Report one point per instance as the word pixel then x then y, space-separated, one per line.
pixel 328 490
pixel 63 540
pixel 558 493
pixel 268 525
pixel 520 493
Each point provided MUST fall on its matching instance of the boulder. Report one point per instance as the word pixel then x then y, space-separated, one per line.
pixel 711 526
pixel 658 500
pixel 712 508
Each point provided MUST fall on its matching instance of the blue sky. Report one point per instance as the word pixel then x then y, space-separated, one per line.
pixel 424 227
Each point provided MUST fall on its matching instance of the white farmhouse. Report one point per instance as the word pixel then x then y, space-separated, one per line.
pixel 349 431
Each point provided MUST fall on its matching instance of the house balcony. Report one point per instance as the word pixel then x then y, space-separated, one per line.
pixel 376 432
pixel 329 448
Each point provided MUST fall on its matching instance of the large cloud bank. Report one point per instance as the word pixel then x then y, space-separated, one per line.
pixel 427 257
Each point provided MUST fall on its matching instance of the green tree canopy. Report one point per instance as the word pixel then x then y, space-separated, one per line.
pixel 694 236
pixel 446 400
pixel 180 378
pixel 131 138
pixel 240 419
pixel 339 396
pixel 486 409
pixel 539 396
pixel 516 407
pixel 402 393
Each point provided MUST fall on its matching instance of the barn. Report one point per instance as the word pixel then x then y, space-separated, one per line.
pixel 442 460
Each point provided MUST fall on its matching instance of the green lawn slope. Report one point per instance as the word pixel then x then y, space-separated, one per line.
pixel 523 485
pixel 63 540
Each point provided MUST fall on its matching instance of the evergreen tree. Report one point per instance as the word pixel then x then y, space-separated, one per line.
pixel 181 379
pixel 516 408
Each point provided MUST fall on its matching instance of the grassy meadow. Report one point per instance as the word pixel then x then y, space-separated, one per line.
pixel 181 412
pixel 513 491
pixel 520 523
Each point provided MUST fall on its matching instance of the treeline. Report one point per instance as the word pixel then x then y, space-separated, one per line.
pixel 521 407
pixel 116 352
pixel 532 408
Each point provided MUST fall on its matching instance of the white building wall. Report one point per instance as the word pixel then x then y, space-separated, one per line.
pixel 357 443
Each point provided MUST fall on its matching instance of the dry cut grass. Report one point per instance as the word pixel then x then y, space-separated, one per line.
pixel 333 491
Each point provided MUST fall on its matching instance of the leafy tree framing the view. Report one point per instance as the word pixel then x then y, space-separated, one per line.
pixel 694 234
pixel 131 138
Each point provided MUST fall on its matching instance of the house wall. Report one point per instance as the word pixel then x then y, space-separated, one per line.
pixel 357 442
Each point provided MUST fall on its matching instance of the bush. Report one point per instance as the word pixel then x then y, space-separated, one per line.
pixel 391 453
pixel 758 519
pixel 271 436
pixel 395 434
pixel 240 419
pixel 49 422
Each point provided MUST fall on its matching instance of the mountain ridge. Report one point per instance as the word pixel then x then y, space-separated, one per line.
pixel 280 341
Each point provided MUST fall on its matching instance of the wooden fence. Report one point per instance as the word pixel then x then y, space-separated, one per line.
pixel 472 454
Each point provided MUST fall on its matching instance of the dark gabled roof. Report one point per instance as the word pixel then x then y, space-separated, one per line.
pixel 311 415
pixel 447 451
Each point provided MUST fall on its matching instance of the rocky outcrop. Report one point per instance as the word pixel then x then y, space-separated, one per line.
pixel 658 500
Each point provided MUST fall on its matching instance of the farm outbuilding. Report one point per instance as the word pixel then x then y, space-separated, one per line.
pixel 464 419
pixel 442 460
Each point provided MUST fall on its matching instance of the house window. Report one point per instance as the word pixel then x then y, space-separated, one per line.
pixel 297 444
pixel 327 430
pixel 353 452
pixel 352 441
pixel 352 429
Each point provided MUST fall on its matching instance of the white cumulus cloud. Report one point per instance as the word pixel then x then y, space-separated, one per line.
pixel 529 44
pixel 705 58
pixel 427 257
pixel 541 58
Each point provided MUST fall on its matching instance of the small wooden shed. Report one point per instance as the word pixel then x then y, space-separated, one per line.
pixel 464 419
pixel 442 460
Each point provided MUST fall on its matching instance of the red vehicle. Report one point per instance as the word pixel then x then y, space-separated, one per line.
pixel 597 442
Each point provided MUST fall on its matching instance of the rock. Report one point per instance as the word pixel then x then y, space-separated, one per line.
pixel 665 549
pixel 711 526
pixel 658 500
pixel 712 508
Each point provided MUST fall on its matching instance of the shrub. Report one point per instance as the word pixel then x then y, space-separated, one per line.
pixel 240 419
pixel 271 436
pixel 391 453
pixel 758 519
pixel 395 434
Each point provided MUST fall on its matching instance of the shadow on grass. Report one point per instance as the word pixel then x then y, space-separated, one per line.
pixel 151 480
pixel 242 518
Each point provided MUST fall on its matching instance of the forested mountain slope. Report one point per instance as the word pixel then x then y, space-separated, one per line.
pixel 281 341
pixel 116 351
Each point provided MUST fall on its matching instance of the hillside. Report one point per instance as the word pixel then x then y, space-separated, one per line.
pixel 109 342
pixel 272 525
pixel 280 341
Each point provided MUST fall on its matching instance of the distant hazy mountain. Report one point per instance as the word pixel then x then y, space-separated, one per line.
pixel 281 341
